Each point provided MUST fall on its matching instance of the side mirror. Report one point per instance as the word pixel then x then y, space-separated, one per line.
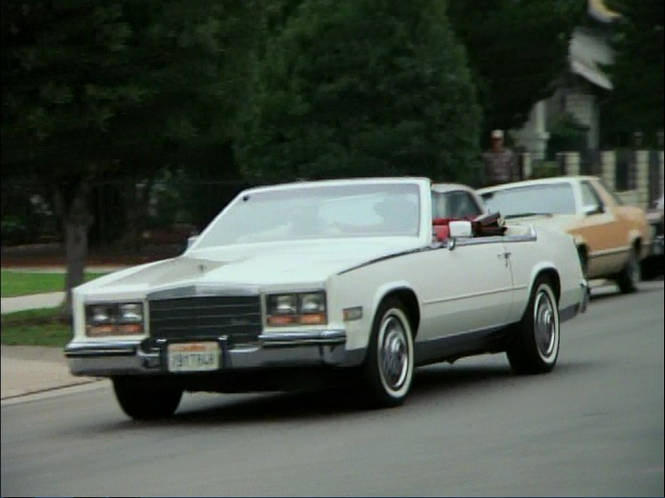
pixel 460 229
pixel 191 240
pixel 590 209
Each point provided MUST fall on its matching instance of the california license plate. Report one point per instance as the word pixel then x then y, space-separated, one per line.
pixel 193 357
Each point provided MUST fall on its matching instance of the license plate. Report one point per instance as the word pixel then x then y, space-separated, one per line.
pixel 193 357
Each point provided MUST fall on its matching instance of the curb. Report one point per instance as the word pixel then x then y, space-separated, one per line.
pixel 14 397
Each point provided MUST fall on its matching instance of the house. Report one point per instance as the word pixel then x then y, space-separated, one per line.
pixel 579 91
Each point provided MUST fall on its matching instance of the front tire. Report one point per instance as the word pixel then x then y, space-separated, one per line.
pixel 143 399
pixel 630 275
pixel 388 368
pixel 536 343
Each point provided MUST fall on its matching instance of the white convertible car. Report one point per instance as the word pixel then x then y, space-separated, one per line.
pixel 368 277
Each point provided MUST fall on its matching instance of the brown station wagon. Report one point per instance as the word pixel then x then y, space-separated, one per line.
pixel 611 238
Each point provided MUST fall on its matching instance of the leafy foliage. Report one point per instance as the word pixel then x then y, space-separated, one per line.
pixel 517 50
pixel 120 83
pixel 636 103
pixel 360 87
pixel 93 91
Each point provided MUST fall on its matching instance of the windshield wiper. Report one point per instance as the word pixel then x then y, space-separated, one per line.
pixel 524 215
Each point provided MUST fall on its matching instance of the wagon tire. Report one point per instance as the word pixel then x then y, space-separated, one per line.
pixel 629 276
pixel 142 399
pixel 535 345
pixel 388 369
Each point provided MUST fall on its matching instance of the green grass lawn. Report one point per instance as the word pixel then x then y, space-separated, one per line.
pixel 21 283
pixel 40 327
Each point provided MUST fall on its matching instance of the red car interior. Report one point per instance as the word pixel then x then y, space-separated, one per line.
pixel 481 226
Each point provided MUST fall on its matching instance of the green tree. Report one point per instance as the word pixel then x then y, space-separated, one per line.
pixel 636 103
pixel 517 49
pixel 105 89
pixel 360 87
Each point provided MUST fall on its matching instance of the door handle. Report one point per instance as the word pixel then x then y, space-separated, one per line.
pixel 504 255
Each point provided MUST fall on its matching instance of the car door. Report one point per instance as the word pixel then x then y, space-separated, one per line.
pixel 466 289
pixel 601 232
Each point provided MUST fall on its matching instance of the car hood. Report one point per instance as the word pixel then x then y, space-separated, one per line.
pixel 257 265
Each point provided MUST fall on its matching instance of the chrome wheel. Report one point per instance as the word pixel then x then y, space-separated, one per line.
pixel 388 369
pixel 544 323
pixel 393 353
pixel 535 346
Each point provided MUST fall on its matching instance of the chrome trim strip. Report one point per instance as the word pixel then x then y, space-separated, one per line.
pixel 461 241
pixel 493 239
pixel 281 339
pixel 103 348
pixel 474 294
pixel 203 290
pixel 456 345
pixel 388 256
pixel 609 252
pixel 491 328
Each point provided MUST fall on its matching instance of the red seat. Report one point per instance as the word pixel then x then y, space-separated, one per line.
pixel 441 228
pixel 442 232
pixel 483 225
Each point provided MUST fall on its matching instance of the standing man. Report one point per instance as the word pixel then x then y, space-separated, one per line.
pixel 500 163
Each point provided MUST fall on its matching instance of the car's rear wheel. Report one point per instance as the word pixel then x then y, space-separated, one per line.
pixel 630 275
pixel 143 399
pixel 388 368
pixel 535 346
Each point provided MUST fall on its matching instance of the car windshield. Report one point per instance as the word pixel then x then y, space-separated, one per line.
pixel 530 200
pixel 300 213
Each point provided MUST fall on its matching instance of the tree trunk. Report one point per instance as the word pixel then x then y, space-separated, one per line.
pixel 76 220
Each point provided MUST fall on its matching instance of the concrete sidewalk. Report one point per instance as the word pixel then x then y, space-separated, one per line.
pixel 32 369
pixel 48 299
pixel 20 303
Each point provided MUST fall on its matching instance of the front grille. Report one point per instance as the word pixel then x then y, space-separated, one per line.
pixel 238 317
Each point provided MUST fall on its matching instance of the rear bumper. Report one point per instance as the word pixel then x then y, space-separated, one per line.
pixel 139 357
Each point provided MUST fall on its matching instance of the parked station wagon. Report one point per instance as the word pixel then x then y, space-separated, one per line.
pixel 296 281
pixel 611 238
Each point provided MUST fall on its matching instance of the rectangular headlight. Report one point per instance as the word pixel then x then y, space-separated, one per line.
pixel 283 304
pixel 113 319
pixel 312 302
pixel 304 308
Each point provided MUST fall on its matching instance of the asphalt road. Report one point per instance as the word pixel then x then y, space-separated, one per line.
pixel 594 426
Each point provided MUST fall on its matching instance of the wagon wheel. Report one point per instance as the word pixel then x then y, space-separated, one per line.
pixel 630 275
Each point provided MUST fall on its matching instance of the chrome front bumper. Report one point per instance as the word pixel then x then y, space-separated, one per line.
pixel 142 356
